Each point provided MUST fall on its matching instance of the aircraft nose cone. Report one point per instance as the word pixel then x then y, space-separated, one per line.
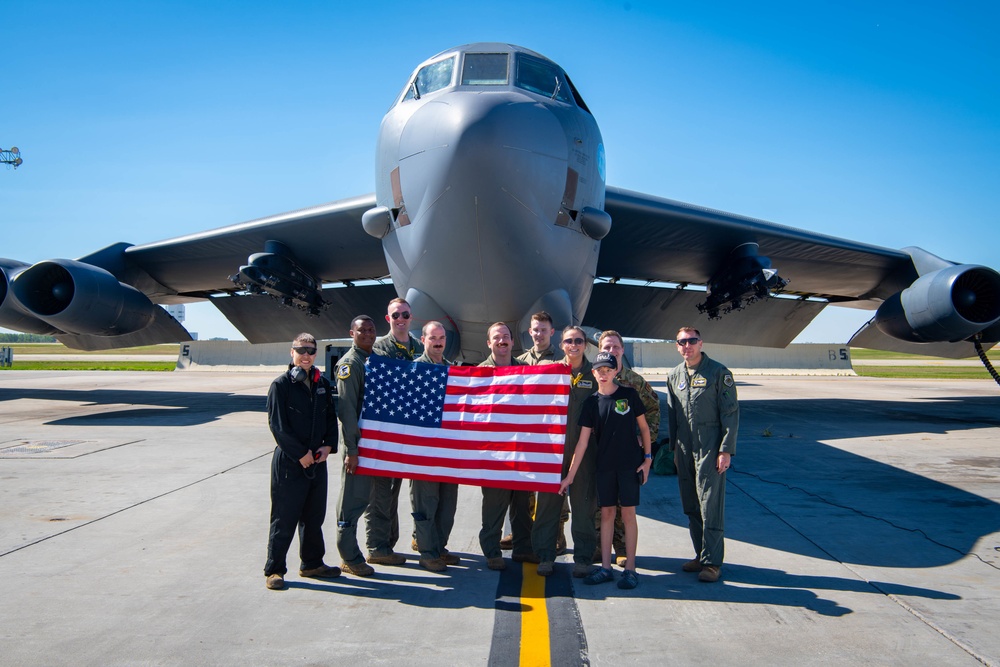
pixel 487 147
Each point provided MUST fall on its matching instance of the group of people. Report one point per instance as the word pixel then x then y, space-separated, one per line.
pixel 613 418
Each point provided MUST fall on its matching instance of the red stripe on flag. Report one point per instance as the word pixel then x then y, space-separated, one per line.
pixel 462 464
pixel 505 408
pixel 510 389
pixel 500 371
pixel 466 445
pixel 487 427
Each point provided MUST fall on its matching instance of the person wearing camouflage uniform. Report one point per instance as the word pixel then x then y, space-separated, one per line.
pixel 704 421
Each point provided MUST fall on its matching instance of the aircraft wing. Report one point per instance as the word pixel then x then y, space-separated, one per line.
pixel 660 240
pixel 327 241
pixel 307 259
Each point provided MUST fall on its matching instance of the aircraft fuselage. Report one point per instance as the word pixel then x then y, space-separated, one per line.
pixel 489 171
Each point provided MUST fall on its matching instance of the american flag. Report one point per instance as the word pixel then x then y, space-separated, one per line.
pixel 502 426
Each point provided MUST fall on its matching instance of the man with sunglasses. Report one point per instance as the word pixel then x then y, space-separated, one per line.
pixel 399 343
pixel 704 417
pixel 302 419
pixel 382 516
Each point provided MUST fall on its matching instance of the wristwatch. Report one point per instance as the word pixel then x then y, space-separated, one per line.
pixel 648 456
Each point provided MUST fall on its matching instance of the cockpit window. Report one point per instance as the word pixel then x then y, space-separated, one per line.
pixel 542 78
pixel 434 76
pixel 485 69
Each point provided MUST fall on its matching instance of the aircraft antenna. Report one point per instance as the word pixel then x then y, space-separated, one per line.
pixel 11 157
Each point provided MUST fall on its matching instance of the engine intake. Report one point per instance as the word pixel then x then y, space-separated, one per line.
pixel 12 315
pixel 947 305
pixel 81 298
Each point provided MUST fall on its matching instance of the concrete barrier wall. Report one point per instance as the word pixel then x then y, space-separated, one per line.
pixel 648 358
pixel 806 359
pixel 241 356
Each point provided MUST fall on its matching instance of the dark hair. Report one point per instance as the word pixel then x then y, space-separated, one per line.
pixel 362 318
pixel 541 316
pixel 304 338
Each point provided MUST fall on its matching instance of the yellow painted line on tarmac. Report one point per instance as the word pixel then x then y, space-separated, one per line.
pixel 535 650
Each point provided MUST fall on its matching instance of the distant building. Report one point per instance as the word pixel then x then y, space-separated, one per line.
pixel 176 311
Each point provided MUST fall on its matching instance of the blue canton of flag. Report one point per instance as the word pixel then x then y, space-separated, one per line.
pixel 404 393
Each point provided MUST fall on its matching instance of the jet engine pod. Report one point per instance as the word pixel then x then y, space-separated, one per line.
pixel 946 305
pixel 81 298
pixel 12 315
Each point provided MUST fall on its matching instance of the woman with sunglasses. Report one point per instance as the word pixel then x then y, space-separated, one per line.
pixel 583 492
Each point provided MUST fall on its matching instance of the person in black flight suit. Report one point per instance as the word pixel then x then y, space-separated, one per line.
pixel 304 424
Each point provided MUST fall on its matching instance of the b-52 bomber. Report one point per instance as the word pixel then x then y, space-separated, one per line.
pixel 491 204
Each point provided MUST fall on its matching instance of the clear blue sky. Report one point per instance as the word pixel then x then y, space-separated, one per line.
pixel 138 121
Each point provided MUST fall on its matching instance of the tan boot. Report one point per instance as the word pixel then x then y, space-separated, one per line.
pixel 433 564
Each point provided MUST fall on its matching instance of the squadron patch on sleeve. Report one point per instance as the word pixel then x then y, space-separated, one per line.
pixel 343 371
pixel 728 380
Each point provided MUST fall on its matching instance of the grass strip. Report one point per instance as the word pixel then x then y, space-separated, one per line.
pixel 95 365
pixel 924 372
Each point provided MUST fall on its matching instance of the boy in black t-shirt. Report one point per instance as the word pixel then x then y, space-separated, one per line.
pixel 613 413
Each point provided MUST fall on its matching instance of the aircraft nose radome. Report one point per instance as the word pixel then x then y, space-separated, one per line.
pixel 502 153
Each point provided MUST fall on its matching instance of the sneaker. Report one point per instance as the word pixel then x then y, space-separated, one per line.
pixel 600 576
pixel 710 574
pixel 275 582
pixel 629 580
pixel 433 564
pixel 545 568
pixel 361 569
pixel 561 544
pixel 581 570
pixel 507 542
pixel 692 566
pixel 321 572
pixel 390 558
pixel 413 545
pixel 620 560
pixel 525 558
pixel 449 558
pixel 497 563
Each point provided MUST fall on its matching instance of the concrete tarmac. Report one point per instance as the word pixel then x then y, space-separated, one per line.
pixel 863 528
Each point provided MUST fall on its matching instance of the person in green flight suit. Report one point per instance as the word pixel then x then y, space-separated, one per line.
pixel 704 422
pixel 434 503
pixel 355 490
pixel 382 516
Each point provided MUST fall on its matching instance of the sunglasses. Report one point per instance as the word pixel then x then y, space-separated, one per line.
pixel 405 315
pixel 683 342
pixel 305 350
pixel 573 341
